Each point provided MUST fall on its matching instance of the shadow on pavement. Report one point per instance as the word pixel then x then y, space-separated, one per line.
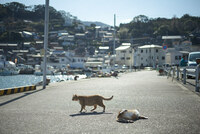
pixel 91 113
pixel 25 94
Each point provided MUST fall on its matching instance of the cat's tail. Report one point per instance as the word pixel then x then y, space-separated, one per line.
pixel 107 98
pixel 143 117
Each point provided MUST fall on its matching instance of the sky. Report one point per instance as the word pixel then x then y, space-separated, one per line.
pixel 125 10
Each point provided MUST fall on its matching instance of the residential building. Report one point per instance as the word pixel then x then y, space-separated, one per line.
pixel 67 40
pixel 174 56
pixel 34 59
pixel 124 55
pixel 94 62
pixel 58 61
pixel 149 56
pixel 78 62
pixel 103 50
pixel 172 41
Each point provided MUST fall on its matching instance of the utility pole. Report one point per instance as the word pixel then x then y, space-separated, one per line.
pixel 114 34
pixel 46 30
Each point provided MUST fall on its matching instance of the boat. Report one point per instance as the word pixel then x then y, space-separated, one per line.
pixel 39 71
pixel 8 68
pixel 25 69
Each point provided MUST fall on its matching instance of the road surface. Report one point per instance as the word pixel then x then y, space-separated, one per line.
pixel 171 108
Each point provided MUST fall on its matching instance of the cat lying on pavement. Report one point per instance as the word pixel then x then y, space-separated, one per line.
pixel 129 116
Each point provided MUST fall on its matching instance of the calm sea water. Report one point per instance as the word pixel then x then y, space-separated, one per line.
pixel 24 80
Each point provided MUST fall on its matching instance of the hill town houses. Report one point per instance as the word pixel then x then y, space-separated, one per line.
pixel 129 54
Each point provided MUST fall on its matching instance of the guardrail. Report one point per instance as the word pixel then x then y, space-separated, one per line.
pixel 182 73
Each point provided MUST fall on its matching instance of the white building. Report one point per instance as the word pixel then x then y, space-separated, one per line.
pixel 63 59
pixel 103 50
pixel 94 62
pixel 173 56
pixel 78 62
pixel 124 55
pixel 149 55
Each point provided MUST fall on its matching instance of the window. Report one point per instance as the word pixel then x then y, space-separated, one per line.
pixel 122 58
pixel 146 50
pixel 141 51
pixel 128 58
pixel 130 51
pixel 141 58
pixel 123 51
pixel 163 57
pixel 176 57
pixel 156 50
pixel 62 59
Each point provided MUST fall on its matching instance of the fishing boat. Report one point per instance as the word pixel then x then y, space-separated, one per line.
pixel 25 69
pixel 8 68
pixel 39 71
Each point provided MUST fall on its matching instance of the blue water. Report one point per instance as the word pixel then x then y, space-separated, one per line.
pixel 24 80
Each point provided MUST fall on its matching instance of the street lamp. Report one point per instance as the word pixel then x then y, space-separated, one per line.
pixel 46 29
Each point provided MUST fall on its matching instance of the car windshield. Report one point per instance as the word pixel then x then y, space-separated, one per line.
pixel 193 57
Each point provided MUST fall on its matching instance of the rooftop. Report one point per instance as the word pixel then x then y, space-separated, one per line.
pixel 122 48
pixel 105 47
pixel 171 37
pixel 8 45
pixel 126 44
pixel 150 46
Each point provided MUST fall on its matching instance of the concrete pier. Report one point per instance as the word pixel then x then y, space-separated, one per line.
pixel 170 107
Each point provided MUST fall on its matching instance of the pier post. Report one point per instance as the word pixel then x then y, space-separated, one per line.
pixel 184 76
pixel 178 72
pixel 197 79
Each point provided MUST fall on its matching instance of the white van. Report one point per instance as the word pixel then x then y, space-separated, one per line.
pixel 192 58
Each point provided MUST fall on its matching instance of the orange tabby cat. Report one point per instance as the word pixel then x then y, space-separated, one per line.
pixel 93 100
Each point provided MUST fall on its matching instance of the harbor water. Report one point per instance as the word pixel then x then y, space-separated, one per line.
pixel 24 80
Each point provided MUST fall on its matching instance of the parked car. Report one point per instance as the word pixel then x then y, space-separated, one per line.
pixel 192 58
pixel 124 67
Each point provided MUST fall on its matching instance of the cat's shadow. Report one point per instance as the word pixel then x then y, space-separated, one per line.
pixel 89 113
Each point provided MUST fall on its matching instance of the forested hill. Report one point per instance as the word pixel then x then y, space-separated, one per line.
pixel 142 26
pixel 14 17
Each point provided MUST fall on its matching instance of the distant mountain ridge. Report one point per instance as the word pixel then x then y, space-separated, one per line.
pixel 88 23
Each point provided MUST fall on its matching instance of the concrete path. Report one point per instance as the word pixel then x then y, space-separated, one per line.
pixel 171 108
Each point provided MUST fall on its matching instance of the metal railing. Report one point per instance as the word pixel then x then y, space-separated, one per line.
pixel 182 73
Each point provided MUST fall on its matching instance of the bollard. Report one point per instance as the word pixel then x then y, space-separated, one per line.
pixel 177 73
pixel 197 78
pixel 169 73
pixel 173 73
pixel 184 76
